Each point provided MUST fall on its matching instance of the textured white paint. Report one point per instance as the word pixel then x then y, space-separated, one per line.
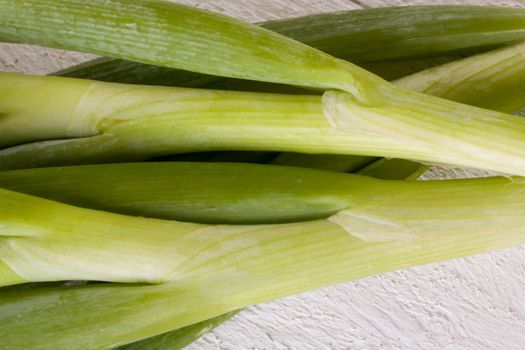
pixel 472 303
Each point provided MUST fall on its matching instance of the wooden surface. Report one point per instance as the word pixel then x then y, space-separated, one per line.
pixel 473 303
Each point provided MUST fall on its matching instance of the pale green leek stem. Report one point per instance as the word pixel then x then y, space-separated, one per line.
pixel 223 268
pixel 505 66
pixel 158 189
pixel 137 123
pixel 275 58
pixel 491 80
pixel 47 241
pixel 47 114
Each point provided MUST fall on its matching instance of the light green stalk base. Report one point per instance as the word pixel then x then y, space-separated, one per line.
pixel 491 80
pixel 410 31
pixel 505 66
pixel 64 243
pixel 137 123
pixel 95 187
pixel 223 268
pixel 33 109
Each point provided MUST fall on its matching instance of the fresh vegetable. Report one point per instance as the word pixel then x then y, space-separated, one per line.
pixel 47 241
pixel 233 193
pixel 23 182
pixel 175 36
pixel 216 269
pixel 358 36
pixel 384 120
pixel 490 80
pixel 239 49
pixel 462 81
pixel 506 66
pixel 135 123
pixel 363 90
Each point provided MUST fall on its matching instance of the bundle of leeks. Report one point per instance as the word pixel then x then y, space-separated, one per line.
pixel 185 244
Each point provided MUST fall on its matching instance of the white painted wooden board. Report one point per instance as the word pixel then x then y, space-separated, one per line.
pixel 472 303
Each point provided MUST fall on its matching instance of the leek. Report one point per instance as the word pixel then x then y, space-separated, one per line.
pixel 491 80
pixel 384 120
pixel 505 67
pixel 216 269
pixel 59 242
pixel 125 29
pixel 197 192
pixel 341 219
pixel 175 36
pixel 342 34
pixel 234 193
pixel 69 184
pixel 138 122
pixel 61 180
pixel 357 36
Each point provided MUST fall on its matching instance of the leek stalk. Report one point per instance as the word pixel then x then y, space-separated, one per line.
pixel 343 34
pixel 60 242
pixel 63 184
pixel 491 80
pixel 234 193
pixel 357 36
pixel 173 35
pixel 55 114
pixel 60 184
pixel 133 122
pixel 384 120
pixel 216 269
pixel 341 219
